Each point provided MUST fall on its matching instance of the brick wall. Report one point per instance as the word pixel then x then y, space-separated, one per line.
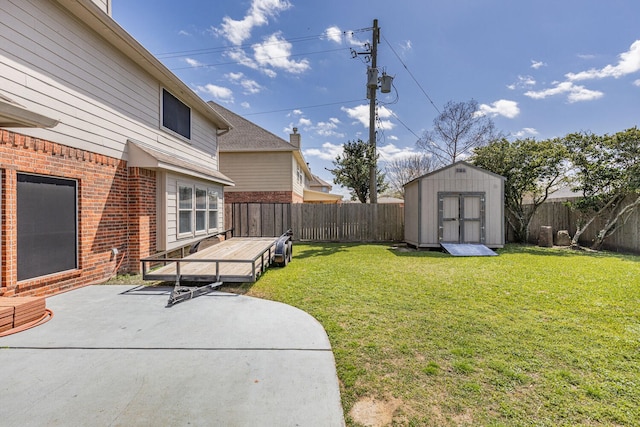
pixel 142 217
pixel 260 197
pixel 116 209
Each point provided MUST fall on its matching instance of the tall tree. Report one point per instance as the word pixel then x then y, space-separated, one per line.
pixel 533 170
pixel 607 174
pixel 400 171
pixel 457 130
pixel 351 170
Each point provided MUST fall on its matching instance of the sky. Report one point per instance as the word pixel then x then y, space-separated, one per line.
pixel 540 69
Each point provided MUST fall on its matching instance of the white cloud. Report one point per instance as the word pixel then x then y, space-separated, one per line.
pixel 328 151
pixel 391 152
pixel 575 93
pixel 193 62
pixel 297 112
pixel 218 92
pixel 629 63
pixel 275 51
pixel 251 87
pixel 329 128
pixel 524 132
pixel 585 56
pixel 502 107
pixel 241 57
pixel 257 15
pixel 234 76
pixel 361 114
pixel 537 64
pixel 406 46
pixel 183 33
pixel 393 138
pixel 336 35
pixel 523 82
pixel 305 122
pixel 637 83
pixel 246 105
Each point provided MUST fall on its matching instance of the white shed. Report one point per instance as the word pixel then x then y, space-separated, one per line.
pixel 460 203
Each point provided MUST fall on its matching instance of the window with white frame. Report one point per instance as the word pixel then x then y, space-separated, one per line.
pixel 299 174
pixel 197 209
pixel 213 209
pixel 201 210
pixel 176 116
pixel 185 209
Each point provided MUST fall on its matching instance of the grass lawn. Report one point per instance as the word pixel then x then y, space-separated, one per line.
pixel 535 336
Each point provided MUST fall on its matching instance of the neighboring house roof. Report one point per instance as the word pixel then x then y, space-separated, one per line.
pixel 390 200
pixel 319 182
pixel 249 137
pixel 93 16
pixel 312 196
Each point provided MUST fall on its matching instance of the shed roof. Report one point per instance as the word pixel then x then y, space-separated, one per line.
pixel 458 163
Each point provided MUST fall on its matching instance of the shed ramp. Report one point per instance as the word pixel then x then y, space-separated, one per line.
pixel 467 249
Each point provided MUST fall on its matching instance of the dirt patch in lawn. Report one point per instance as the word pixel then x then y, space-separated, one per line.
pixel 374 413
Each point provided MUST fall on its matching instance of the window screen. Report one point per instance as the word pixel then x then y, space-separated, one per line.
pixel 47 225
pixel 176 115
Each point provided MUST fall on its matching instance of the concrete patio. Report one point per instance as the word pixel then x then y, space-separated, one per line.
pixel 115 355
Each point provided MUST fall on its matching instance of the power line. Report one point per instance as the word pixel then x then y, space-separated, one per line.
pixel 411 74
pixel 273 57
pixel 307 107
pixel 204 51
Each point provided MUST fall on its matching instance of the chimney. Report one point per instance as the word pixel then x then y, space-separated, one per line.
pixel 294 138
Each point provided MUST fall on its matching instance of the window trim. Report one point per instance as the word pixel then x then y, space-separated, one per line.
pixel 208 228
pixel 189 233
pixel 216 210
pixel 169 130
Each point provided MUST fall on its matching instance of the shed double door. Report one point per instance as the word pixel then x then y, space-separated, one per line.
pixel 461 217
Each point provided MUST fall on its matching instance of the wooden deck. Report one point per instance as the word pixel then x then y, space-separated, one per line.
pixel 238 259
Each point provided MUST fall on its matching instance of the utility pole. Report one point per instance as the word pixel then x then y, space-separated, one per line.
pixel 372 88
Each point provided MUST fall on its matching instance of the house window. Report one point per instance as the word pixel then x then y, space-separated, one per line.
pixel 201 209
pixel 185 209
pixel 176 116
pixel 213 209
pixel 47 227
pixel 299 174
pixel 197 210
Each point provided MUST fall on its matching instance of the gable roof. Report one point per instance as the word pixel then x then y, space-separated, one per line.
pixel 458 163
pixel 95 17
pixel 247 136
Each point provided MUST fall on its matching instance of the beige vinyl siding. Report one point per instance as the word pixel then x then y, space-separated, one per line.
pixel 57 66
pixel 411 212
pixel 258 171
pixel 105 5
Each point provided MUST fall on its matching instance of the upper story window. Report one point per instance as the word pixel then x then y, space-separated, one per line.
pixel 299 175
pixel 176 116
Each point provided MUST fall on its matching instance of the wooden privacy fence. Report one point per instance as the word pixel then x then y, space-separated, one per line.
pixel 316 222
pixel 560 217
